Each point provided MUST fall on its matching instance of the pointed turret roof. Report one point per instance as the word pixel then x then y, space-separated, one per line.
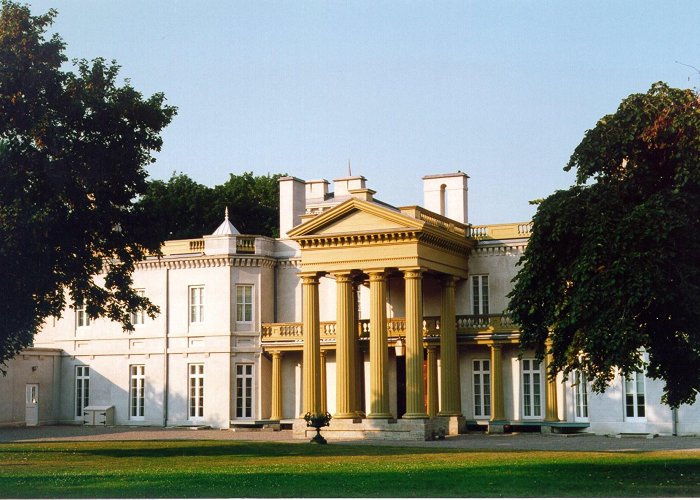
pixel 226 228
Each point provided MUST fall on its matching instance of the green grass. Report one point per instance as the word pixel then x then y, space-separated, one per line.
pixel 259 469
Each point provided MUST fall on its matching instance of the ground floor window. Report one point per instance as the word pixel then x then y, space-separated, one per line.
pixel 482 387
pixel 532 388
pixel 634 397
pixel 136 391
pixel 244 391
pixel 82 390
pixel 580 387
pixel 196 392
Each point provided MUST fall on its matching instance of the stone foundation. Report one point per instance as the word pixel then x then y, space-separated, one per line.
pixel 382 429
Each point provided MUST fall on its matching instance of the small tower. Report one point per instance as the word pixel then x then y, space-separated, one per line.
pixel 446 194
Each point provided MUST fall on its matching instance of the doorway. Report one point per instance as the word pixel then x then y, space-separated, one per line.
pixel 400 386
pixel 32 405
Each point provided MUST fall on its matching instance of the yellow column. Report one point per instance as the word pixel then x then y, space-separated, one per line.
pixel 324 389
pixel 344 338
pixel 497 411
pixel 378 348
pixel 432 381
pixel 312 344
pixel 449 367
pixel 415 405
pixel 276 386
pixel 357 357
pixel 552 410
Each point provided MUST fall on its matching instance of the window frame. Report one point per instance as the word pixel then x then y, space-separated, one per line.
pixel 138 316
pixel 580 397
pixel 81 398
pixel 195 391
pixel 196 303
pixel 244 306
pixel 636 378
pixel 82 320
pixel 137 392
pixel 531 384
pixel 245 402
pixel 482 397
pixel 479 291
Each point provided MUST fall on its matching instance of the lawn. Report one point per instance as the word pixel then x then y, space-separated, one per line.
pixel 259 469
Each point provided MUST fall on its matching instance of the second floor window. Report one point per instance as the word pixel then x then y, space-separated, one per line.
pixel 83 318
pixel 196 304
pixel 138 317
pixel 480 294
pixel 244 303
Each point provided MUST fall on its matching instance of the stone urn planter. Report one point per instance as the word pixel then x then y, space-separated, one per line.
pixel 318 420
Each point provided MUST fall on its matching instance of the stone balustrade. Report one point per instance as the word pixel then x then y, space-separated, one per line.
pixel 396 327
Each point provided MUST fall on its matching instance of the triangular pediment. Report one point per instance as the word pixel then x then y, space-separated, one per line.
pixel 356 216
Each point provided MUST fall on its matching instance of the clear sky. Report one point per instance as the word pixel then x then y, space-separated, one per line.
pixel 503 91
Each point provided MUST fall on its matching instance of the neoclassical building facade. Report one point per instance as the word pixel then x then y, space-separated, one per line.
pixel 389 318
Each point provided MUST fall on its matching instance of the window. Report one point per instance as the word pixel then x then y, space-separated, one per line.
pixel 244 391
pixel 196 390
pixel 532 388
pixel 482 388
pixel 196 304
pixel 480 294
pixel 244 303
pixel 82 316
pixel 634 396
pixel 580 396
pixel 82 390
pixel 138 317
pixel 136 391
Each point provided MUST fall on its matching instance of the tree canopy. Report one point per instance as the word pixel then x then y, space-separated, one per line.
pixel 73 150
pixel 611 274
pixel 182 208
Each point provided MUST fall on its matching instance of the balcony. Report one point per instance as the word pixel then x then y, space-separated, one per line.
pixel 467 325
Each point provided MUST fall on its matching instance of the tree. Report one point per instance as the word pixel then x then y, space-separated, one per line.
pixel 73 152
pixel 612 268
pixel 182 208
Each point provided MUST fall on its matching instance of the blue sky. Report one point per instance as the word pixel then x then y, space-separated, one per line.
pixel 503 91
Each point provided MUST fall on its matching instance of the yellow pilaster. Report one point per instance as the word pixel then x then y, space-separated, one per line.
pixel 345 346
pixel 378 348
pixel 552 409
pixel 415 405
pixel 312 344
pixel 324 388
pixel 497 410
pixel 451 403
pixel 276 386
pixel 432 381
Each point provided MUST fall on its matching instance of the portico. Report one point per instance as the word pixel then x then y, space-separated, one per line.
pixel 358 243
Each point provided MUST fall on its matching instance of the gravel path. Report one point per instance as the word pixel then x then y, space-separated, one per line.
pixel 475 441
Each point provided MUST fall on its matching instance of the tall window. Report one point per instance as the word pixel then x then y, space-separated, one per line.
pixel 82 390
pixel 138 317
pixel 196 304
pixel 480 294
pixel 532 388
pixel 244 303
pixel 83 318
pixel 580 395
pixel 196 390
pixel 634 396
pixel 136 391
pixel 244 391
pixel 482 387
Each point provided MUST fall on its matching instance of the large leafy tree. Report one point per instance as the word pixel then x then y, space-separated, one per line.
pixel 183 208
pixel 612 268
pixel 73 150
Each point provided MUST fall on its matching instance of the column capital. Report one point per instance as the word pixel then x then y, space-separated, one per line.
pixel 449 281
pixel 376 275
pixel 276 354
pixel 310 278
pixel 413 273
pixel 342 276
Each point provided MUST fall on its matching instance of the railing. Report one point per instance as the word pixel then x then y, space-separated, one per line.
pixel 396 327
pixel 501 231
pixel 245 244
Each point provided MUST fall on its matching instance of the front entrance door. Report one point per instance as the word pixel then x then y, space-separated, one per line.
pixel 32 405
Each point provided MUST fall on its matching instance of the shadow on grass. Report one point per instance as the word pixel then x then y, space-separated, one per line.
pixel 542 477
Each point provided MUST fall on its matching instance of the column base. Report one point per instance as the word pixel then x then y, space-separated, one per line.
pixel 380 415
pixel 414 415
pixel 345 415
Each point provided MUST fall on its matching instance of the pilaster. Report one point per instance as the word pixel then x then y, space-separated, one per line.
pixel 324 388
pixel 497 410
pixel 432 381
pixel 552 409
pixel 276 386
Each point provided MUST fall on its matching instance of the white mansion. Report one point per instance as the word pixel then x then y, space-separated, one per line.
pixel 389 318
